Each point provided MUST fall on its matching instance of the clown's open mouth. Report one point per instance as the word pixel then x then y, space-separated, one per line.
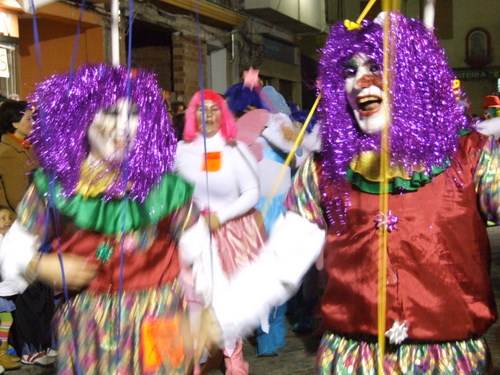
pixel 368 105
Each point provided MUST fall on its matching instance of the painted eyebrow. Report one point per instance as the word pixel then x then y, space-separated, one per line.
pixel 351 64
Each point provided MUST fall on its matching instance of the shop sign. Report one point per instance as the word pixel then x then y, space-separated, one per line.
pixel 478 74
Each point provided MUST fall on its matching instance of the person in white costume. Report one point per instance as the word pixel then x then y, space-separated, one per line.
pixel 224 173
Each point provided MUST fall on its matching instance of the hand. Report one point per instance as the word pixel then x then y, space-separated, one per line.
pixel 78 272
pixel 212 221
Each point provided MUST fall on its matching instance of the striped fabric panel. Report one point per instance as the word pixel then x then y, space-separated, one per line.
pixel 345 356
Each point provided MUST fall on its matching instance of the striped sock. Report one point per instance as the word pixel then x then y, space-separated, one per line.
pixel 5 323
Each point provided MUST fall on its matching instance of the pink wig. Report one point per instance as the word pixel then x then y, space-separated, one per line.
pixel 227 124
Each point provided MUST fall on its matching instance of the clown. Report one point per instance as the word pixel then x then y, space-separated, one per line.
pixel 443 188
pixel 106 147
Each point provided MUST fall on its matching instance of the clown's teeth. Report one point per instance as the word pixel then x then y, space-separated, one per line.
pixel 368 99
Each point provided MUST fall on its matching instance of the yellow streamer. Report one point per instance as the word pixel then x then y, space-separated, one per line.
pixel 365 11
pixel 349 25
pixel 289 157
pixel 387 6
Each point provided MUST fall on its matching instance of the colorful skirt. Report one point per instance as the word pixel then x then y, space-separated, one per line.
pixel 145 334
pixel 343 356
pixel 239 241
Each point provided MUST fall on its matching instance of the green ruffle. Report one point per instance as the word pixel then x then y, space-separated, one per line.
pixel 106 217
pixel 397 184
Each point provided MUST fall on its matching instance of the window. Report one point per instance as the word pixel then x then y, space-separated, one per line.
pixel 478 47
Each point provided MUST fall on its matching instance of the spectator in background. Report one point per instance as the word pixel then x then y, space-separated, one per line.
pixel 31 332
pixel 178 122
pixel 17 159
pixel 7 291
pixel 177 107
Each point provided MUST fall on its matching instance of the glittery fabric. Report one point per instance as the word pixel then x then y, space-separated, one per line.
pixel 95 179
pixel 304 197
pixel 66 107
pixel 109 343
pixel 487 181
pixel 31 211
pixel 183 218
pixel 438 278
pixel 239 241
pixel 342 356
pixel 426 118
pixel 104 252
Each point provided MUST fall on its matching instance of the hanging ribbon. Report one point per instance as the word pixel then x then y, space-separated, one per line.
pixel 387 6
pixel 125 162
pixel 204 128
pixel 289 158
pixel 356 25
pixel 51 211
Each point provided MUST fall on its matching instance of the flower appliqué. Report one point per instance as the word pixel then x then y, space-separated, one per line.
pixel 104 252
pixel 398 333
pixel 384 221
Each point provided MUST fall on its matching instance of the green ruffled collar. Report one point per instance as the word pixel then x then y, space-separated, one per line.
pixel 397 184
pixel 119 215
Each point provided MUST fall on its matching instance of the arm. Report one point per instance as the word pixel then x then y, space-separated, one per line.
pixel 22 263
pixel 14 181
pixel 18 248
pixel 490 127
pixel 294 244
pixel 248 185
pixel 272 279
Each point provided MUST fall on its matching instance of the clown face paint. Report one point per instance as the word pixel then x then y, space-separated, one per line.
pixel 363 86
pixel 113 131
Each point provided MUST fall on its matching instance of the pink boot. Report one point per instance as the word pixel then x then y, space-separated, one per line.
pixel 197 369
pixel 235 364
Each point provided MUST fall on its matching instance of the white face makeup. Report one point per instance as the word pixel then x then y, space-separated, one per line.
pixel 363 86
pixel 113 131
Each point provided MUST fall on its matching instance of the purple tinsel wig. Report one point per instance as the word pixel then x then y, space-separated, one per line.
pixel 426 118
pixel 68 104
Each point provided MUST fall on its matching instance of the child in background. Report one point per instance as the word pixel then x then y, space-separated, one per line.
pixel 6 304
pixel 6 220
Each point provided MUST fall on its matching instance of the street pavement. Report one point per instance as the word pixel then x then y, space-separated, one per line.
pixel 298 356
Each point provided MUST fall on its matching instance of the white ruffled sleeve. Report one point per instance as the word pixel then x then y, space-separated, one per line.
pixel 272 279
pixel 16 251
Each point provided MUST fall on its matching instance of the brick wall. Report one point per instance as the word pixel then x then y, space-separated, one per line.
pixel 155 59
pixel 185 65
